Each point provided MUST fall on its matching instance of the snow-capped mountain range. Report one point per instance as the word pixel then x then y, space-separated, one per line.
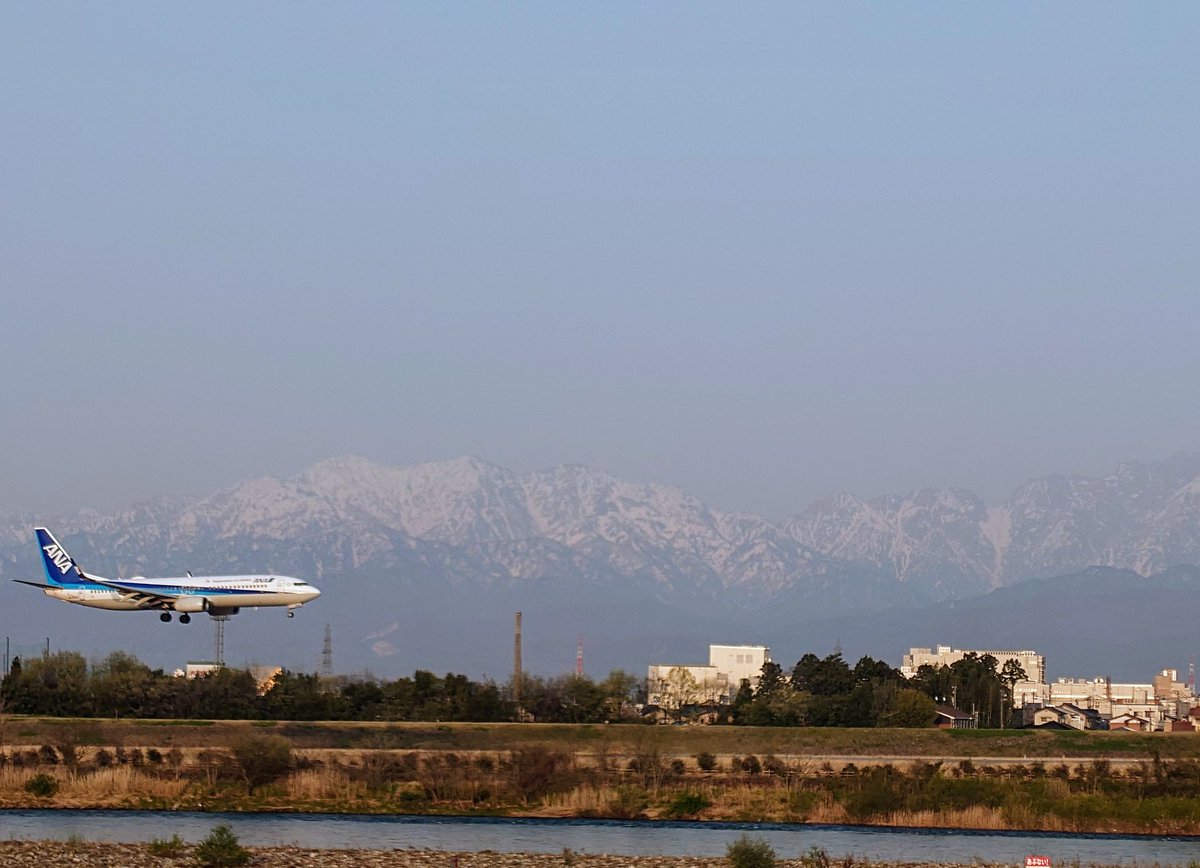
pixel 467 523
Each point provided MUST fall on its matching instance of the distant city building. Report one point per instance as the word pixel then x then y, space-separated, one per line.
pixel 714 683
pixel 1168 686
pixel 1109 698
pixel 1030 691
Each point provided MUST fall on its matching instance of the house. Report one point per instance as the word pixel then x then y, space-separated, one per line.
pixel 1129 723
pixel 1069 715
pixel 949 717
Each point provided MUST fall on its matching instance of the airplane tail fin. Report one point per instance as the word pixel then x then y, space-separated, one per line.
pixel 60 567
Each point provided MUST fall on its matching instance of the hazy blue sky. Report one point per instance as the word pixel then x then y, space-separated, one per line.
pixel 764 252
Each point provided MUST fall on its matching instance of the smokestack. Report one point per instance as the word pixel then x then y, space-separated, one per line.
pixel 517 662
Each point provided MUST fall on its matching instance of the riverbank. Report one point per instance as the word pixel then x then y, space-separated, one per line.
pixel 619 772
pixel 75 854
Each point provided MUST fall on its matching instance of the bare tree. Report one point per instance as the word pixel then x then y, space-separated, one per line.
pixel 678 690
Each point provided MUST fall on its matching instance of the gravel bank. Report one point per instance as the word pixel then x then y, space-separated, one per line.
pixel 52 854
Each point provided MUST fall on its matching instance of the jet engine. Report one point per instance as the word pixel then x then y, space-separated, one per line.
pixel 191 604
pixel 219 611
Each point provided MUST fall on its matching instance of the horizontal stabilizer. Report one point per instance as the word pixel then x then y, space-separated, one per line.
pixel 33 584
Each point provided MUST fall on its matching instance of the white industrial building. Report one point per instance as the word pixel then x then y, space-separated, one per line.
pixel 714 683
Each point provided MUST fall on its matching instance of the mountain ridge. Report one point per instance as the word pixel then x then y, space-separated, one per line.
pixel 466 532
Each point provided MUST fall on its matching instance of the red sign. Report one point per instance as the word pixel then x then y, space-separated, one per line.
pixel 1039 862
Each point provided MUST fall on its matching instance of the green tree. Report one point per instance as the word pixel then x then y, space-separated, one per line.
pixel 1011 673
pixel 902 707
pixel 221 849
pixel 619 690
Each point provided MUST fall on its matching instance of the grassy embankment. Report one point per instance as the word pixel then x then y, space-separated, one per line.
pixel 1066 781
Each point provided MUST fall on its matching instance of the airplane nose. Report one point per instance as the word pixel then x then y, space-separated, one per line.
pixel 314 592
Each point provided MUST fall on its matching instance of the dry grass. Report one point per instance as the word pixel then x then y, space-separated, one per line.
pixel 117 785
pixel 975 817
pixel 321 784
pixel 586 799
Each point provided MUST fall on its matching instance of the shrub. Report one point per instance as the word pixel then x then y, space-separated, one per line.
pixel 678 767
pixel 747 852
pixel 47 755
pixel 537 770
pixel 263 759
pixel 706 761
pixel 42 785
pixel 104 758
pixel 171 848
pixel 629 802
pixel 221 849
pixel 751 765
pixel 687 805
pixel 816 857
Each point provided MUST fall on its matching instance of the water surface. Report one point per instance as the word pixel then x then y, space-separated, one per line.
pixel 629 838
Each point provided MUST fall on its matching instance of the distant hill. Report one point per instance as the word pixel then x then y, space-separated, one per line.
pixel 1100 621
pixel 424 565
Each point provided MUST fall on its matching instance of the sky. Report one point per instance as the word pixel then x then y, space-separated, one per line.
pixel 763 252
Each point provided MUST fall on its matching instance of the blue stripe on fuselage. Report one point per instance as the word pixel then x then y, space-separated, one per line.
pixel 177 591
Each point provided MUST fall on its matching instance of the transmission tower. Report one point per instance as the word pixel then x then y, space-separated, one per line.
pixel 219 639
pixel 327 655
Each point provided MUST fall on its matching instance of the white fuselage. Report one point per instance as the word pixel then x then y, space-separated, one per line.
pixel 190 593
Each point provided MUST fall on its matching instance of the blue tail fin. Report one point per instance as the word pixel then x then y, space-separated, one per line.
pixel 60 567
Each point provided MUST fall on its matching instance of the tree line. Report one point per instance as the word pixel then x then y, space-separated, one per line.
pixel 63 684
pixel 816 692
pixel 829 692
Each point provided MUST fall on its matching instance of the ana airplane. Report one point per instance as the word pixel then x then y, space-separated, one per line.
pixel 217 595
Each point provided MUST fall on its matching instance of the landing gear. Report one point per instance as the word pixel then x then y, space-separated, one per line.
pixel 165 617
pixel 291 614
pixel 185 619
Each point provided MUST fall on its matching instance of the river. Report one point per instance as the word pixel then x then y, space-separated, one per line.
pixel 340 831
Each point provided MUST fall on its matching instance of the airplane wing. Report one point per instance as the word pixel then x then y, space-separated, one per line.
pixel 144 597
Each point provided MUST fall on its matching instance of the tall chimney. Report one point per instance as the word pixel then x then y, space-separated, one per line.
pixel 516 691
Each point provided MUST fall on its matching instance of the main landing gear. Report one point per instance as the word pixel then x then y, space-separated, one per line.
pixel 183 619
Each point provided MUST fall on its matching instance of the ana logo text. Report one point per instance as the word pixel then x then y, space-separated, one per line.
pixel 60 558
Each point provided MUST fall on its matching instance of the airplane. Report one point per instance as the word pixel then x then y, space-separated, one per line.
pixel 219 596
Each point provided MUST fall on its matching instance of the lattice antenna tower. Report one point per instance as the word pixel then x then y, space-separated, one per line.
pixel 327 654
pixel 219 639
pixel 579 658
pixel 1192 675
